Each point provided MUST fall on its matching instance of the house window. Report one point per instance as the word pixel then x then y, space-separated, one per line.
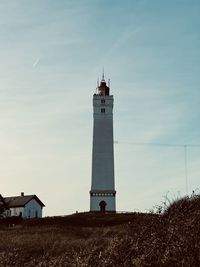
pixel 103 101
pixel 103 110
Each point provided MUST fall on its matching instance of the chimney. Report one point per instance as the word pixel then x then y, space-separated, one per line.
pixel 22 194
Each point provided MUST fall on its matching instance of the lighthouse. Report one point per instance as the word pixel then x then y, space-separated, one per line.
pixel 102 193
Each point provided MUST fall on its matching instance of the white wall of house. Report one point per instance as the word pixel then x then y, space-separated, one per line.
pixel 16 211
pixel 32 210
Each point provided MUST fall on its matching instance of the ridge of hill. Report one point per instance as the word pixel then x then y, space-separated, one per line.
pixel 171 238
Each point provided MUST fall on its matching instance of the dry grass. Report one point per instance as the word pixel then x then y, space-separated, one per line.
pixel 168 239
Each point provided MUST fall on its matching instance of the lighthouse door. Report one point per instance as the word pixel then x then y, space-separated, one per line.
pixel 102 205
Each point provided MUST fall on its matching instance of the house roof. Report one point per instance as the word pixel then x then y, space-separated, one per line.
pixel 21 201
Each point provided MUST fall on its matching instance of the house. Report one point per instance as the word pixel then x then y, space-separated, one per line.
pixel 26 206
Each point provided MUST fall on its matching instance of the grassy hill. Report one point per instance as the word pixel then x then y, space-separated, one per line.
pixel 171 238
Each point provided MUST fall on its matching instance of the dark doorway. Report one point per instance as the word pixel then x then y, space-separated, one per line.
pixel 102 205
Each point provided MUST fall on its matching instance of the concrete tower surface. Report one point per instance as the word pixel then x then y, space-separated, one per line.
pixel 102 194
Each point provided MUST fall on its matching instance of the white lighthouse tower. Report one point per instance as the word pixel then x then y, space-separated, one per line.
pixel 102 194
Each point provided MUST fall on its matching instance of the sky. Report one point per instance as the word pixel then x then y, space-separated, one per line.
pixel 51 55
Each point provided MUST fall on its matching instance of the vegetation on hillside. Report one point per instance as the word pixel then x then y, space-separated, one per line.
pixel 170 238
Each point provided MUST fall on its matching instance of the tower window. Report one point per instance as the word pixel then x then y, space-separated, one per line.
pixel 103 110
pixel 103 101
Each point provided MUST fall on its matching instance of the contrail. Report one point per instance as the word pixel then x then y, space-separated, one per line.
pixel 36 62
